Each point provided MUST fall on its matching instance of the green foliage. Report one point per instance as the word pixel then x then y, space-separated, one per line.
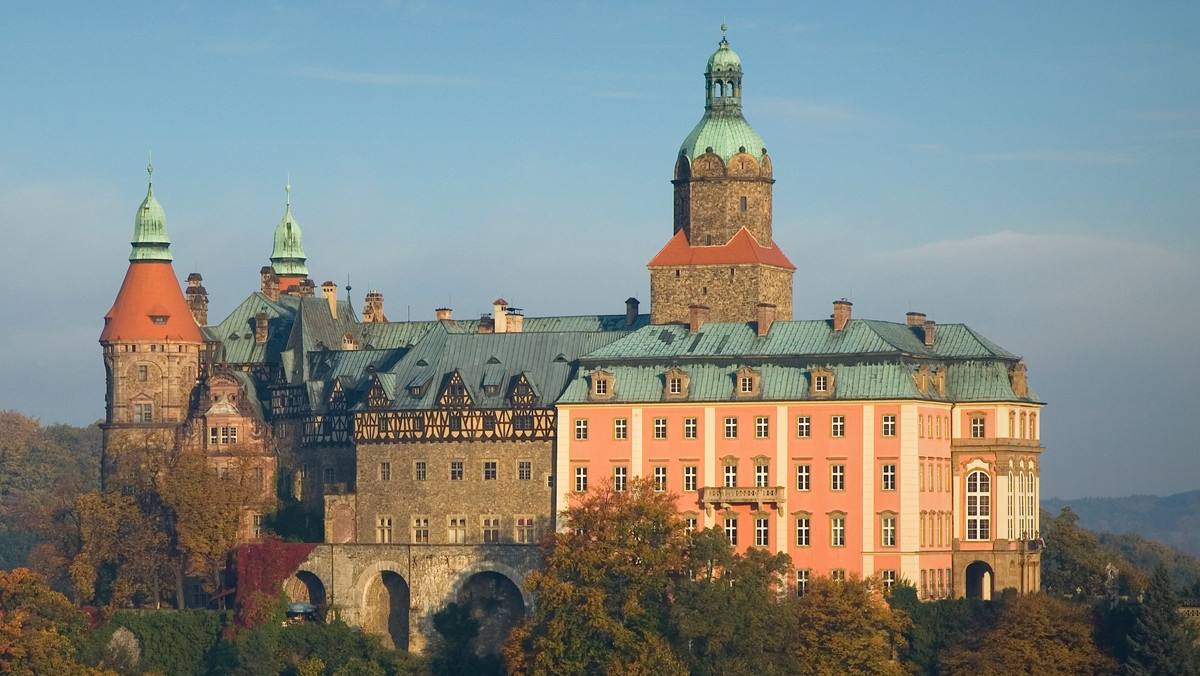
pixel 451 653
pixel 1146 555
pixel 937 625
pixel 293 523
pixel 1073 561
pixel 39 628
pixel 845 628
pixel 1158 644
pixel 177 643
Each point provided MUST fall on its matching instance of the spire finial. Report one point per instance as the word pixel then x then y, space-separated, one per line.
pixel 288 189
pixel 723 28
pixel 150 165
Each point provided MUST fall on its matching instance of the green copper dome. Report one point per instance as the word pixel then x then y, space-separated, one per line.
pixel 288 255
pixel 723 129
pixel 150 241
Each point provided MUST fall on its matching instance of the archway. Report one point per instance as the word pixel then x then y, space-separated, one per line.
pixel 305 586
pixel 385 609
pixel 980 580
pixel 496 603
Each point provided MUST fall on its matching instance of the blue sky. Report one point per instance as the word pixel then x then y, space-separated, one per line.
pixel 1029 169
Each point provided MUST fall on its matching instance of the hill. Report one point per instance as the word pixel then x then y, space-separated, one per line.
pixel 1174 519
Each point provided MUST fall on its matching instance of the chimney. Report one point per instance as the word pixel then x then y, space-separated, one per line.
pixel 498 317
pixel 373 308
pixel 260 328
pixel 928 332
pixel 697 315
pixel 443 314
pixel 270 283
pixel 329 292
pixel 197 299
pixel 306 288
pixel 766 316
pixel 631 311
pixel 514 319
pixel 349 342
pixel 841 314
pixel 916 318
pixel 487 324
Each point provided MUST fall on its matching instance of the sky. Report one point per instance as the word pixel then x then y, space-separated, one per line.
pixel 1030 169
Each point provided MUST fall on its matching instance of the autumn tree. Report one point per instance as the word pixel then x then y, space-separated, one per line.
pixel 39 628
pixel 1073 561
pixel 1159 644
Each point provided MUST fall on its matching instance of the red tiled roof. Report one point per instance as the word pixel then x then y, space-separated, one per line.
pixel 150 289
pixel 741 249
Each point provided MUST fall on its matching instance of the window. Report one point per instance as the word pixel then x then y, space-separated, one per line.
pixel 889 477
pixel 838 575
pixel 978 427
pixel 456 534
pixel 887 531
pixel 941 582
pixel 256 523
pixel 762 427
pixel 383 530
pixel 837 477
pixel 979 508
pixel 803 475
pixel 456 423
pixel 675 385
pixel 491 530
pixel 802 531
pixel 762 475
pixel 143 413
pixel 742 203
pixel 143 373
pixel 801 581
pixel 837 531
pixel 689 479
pixel 821 383
pixel 888 428
pixel 212 436
pixel 731 428
pixel 1033 426
pixel 419 470
pixel 1023 418
pixel 689 428
pixel 259 478
pixel 523 422
pixel 939 427
pixel 330 475
pixel 525 534
pixel 601 386
pixel 762 533
pixel 746 384
pixel 385 471
pixel 420 530
pixel 620 429
pixel 489 470
pixel 660 479
pixel 581 429
pixel 456 470
pixel 731 529
pixel 580 479
pixel 730 476
pixel 489 422
pixel 660 428
pixel 924 584
pixel 889 579
pixel 803 426
pixel 921 427
pixel 524 470
pixel 838 426
pixel 689 524
pixel 620 474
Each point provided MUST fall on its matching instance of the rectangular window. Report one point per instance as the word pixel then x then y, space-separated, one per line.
pixel 580 479
pixel 491 530
pixel 524 470
pixel 803 476
pixel 731 529
pixel 762 427
pixel 620 474
pixel 888 428
pixel 889 579
pixel 838 575
pixel 689 524
pixel 803 426
pixel 233 435
pixel 522 422
pixel 601 386
pixel 385 471
pixel 978 428
pixel 489 422
pixel 689 428
pixel 660 428
pixel 746 384
pixel 419 470
pixel 457 532
pixel 489 470
pixel 887 531
pixel 212 436
pixel 921 426
pixel 581 429
pixel 762 533
pixel 837 531
pixel 821 383
pixel 383 530
pixel 456 423
pixel 620 429
pixel 801 581
pixel 257 524
pixel 660 479
pixel 762 475
pixel 143 373
pixel 259 478
pixel 730 476
pixel 143 413
pixel 939 428
pixel 420 530
pixel 731 428
pixel 456 470
pixel 675 386
pixel 837 426
pixel 742 203
pixel 837 477
pixel 689 479
pixel 802 531
pixel 525 534
pixel 924 584
pixel 330 475
pixel 888 472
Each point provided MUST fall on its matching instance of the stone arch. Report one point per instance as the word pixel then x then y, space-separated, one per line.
pixel 744 165
pixel 385 596
pixel 518 579
pixel 980 581
pixel 305 585
pixel 495 601
pixel 765 164
pixel 708 165
pixel 683 168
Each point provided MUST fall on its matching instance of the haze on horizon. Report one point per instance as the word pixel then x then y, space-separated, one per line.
pixel 1030 170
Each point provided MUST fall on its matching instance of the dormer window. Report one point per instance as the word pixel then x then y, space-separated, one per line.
pixel 747 382
pixel 820 382
pixel 491 390
pixel 602 385
pixel 159 319
pixel 676 385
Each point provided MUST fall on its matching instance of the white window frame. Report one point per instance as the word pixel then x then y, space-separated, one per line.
pixel 837 426
pixel 888 477
pixel 689 478
pixel 689 428
pixel 581 429
pixel 979 506
pixel 581 479
pixel 804 477
pixel 762 427
pixel 660 479
pixel 803 531
pixel 660 428
pixel 620 478
pixel 888 425
pixel 731 427
pixel 837 477
pixel 803 426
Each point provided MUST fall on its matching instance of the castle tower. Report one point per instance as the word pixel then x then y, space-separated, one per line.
pixel 150 340
pixel 722 256
pixel 287 257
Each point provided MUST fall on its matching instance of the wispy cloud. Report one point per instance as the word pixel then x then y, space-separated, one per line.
pixel 1078 156
pixel 381 79
pixel 813 112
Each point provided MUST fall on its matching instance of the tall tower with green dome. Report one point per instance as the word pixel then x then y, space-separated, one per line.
pixel 287 256
pixel 721 258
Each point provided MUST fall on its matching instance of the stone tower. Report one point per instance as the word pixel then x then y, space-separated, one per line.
pixel 151 344
pixel 721 256
pixel 287 257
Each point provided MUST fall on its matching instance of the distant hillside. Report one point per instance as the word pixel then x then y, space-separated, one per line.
pixel 1174 519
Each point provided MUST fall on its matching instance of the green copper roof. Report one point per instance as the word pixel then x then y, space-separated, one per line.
pixel 150 241
pixel 723 130
pixel 288 255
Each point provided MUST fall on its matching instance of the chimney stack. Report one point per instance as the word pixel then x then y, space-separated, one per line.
pixel 270 283
pixel 631 311
pixel 306 288
pixel 697 316
pixel 928 332
pixel 498 317
pixel 443 314
pixel 487 324
pixel 197 299
pixel 841 314
pixel 514 320
pixel 373 308
pixel 329 292
pixel 766 317
pixel 260 328
pixel 916 318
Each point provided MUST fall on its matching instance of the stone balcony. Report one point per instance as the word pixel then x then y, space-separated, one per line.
pixel 720 497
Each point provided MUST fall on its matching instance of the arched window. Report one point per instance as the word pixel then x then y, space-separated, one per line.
pixel 979 506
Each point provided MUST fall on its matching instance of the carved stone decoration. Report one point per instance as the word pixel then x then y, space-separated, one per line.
pixel 1016 377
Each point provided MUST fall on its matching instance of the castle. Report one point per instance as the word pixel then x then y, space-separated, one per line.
pixel 436 454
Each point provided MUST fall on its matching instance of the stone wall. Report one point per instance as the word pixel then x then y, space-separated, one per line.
pixel 732 293
pixel 708 199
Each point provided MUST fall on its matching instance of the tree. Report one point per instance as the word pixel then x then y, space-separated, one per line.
pixel 844 628
pixel 1158 643
pixel 937 625
pixel 1073 561
pixel 1032 634
pixel 39 628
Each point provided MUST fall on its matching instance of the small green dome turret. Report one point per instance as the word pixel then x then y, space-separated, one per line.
pixel 150 241
pixel 723 130
pixel 287 257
